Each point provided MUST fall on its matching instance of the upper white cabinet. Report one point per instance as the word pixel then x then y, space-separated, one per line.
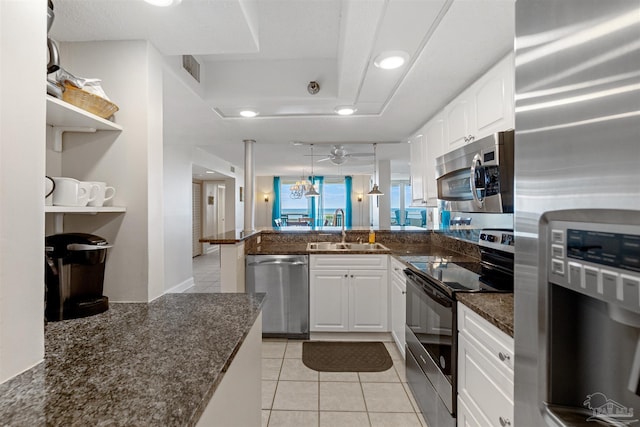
pixel 494 93
pixel 434 131
pixel 483 108
pixel 460 118
pixel 418 169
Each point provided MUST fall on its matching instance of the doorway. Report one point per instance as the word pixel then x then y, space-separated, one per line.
pixel 196 218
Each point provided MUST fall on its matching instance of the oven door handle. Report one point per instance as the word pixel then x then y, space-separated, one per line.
pixel 476 162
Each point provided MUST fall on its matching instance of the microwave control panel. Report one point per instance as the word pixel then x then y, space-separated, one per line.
pixel 598 260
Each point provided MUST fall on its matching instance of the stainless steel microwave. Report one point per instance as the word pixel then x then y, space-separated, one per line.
pixel 478 177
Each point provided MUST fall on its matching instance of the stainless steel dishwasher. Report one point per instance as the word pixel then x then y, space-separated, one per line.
pixel 285 279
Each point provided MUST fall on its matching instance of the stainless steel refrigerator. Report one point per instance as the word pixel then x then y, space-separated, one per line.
pixel 577 212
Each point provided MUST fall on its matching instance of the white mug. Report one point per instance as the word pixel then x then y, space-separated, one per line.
pixel 103 193
pixel 71 192
pixel 90 194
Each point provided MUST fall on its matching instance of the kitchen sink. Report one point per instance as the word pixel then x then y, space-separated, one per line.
pixel 345 247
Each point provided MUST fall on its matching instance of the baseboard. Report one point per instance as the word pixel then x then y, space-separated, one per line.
pixel 181 287
pixel 351 336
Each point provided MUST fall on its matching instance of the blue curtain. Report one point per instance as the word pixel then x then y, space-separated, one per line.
pixel 275 213
pixel 347 211
pixel 316 202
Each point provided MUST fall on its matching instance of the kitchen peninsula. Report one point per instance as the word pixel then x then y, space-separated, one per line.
pixel 181 360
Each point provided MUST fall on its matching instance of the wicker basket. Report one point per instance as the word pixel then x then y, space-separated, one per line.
pixel 88 101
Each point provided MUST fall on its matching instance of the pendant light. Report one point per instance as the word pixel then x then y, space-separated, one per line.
pixel 375 191
pixel 312 189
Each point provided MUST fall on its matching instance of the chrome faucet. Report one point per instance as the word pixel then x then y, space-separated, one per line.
pixel 344 220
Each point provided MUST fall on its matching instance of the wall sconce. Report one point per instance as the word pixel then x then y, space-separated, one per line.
pixel 360 197
pixel 266 198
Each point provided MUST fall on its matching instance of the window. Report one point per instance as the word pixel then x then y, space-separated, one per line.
pixel 401 211
pixel 301 211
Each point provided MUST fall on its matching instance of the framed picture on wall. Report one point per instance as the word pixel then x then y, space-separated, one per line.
pixel 241 194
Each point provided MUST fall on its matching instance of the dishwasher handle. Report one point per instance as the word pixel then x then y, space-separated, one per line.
pixel 277 262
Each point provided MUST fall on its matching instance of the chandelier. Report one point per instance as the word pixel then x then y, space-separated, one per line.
pixel 297 190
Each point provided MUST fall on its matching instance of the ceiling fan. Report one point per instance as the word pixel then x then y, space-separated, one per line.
pixel 338 155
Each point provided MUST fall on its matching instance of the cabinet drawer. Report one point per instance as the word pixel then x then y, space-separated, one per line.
pixel 378 262
pixel 497 345
pixel 485 387
pixel 397 268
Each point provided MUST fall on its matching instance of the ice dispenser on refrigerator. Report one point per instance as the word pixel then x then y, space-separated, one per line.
pixel 75 264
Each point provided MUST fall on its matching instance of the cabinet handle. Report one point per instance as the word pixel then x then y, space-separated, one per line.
pixel 352 276
pixel 404 292
pixel 505 422
pixel 504 357
pixel 471 138
pixel 346 275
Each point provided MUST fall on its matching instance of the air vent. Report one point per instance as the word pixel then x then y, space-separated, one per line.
pixel 233 169
pixel 192 66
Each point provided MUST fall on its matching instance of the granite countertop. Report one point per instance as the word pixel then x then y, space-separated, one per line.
pixel 229 237
pixel 497 308
pixel 155 364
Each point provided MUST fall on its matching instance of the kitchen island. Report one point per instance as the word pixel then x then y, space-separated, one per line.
pixel 161 363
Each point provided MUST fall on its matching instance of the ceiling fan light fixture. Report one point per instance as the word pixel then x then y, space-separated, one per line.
pixel 163 3
pixel 248 113
pixel 391 60
pixel 345 110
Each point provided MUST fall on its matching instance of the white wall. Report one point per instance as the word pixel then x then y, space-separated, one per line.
pixel 264 185
pixel 131 161
pixel 384 182
pixel 178 164
pixel 361 210
pixel 22 165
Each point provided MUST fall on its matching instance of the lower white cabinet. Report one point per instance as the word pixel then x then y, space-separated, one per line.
pixel 398 290
pixel 485 372
pixel 348 293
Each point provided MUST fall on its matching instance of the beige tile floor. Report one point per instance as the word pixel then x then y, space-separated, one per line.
pixel 294 395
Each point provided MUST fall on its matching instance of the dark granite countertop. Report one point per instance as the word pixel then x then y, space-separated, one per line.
pixel 497 308
pixel 229 237
pixel 155 364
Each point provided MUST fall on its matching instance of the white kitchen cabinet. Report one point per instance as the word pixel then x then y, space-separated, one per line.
pixel 398 290
pixel 485 372
pixel 348 293
pixel 434 132
pixel 494 93
pixel 418 160
pixel 460 119
pixel 485 107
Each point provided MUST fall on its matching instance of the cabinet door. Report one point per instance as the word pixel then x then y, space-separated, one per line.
pixel 368 301
pixel 328 300
pixel 460 122
pixel 494 99
pixel 485 387
pixel 418 160
pixel 434 132
pixel 467 417
pixel 398 309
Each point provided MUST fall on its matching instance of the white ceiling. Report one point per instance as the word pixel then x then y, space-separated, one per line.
pixel 261 54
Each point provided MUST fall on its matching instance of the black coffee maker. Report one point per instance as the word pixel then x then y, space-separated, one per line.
pixel 75 264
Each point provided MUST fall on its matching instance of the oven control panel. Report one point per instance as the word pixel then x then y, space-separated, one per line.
pixel 598 260
pixel 497 238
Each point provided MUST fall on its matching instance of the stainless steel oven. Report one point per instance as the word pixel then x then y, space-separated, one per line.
pixel 478 177
pixel 431 349
pixel 431 318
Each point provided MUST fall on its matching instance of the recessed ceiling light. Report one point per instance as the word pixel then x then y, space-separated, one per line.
pixel 163 3
pixel 209 172
pixel 345 111
pixel 391 60
pixel 248 113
